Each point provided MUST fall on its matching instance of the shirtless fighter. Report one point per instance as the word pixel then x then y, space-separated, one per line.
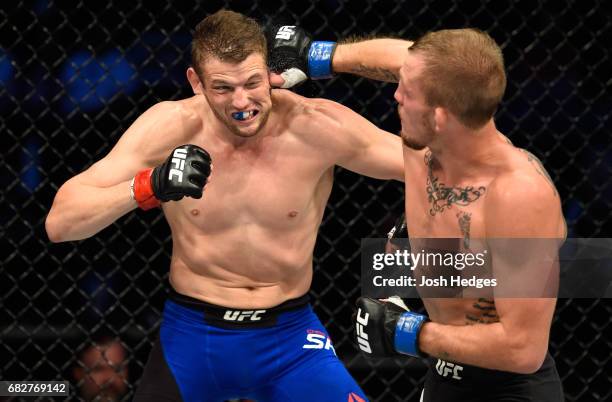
pixel 238 323
pixel 465 180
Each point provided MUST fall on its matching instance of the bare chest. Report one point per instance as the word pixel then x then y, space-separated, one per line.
pixel 274 185
pixel 454 215
pixel 437 209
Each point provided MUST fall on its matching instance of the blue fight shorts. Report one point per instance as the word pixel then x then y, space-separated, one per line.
pixel 211 353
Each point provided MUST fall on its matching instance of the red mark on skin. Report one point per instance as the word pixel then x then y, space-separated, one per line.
pixel 195 212
pixel 293 214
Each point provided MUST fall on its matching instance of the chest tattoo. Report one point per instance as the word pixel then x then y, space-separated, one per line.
pixel 442 197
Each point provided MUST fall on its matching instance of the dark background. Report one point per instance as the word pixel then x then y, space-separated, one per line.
pixel 74 75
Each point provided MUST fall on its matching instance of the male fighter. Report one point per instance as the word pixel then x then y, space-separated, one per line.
pixel 238 323
pixel 465 180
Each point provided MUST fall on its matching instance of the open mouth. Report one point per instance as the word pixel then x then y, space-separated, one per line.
pixel 245 115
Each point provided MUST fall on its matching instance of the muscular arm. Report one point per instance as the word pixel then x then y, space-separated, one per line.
pixel 377 59
pixel 351 141
pixel 95 198
pixel 519 341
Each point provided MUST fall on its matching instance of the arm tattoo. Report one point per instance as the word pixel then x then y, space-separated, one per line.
pixel 488 312
pixel 539 167
pixel 485 304
pixel 375 73
pixel 464 224
pixel 441 196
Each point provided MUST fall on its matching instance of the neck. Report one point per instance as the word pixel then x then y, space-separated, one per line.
pixel 463 151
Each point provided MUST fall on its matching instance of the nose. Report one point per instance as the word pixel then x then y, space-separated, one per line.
pixel 240 99
pixel 398 95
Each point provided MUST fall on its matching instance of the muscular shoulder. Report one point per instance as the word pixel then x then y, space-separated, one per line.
pixel 173 120
pixel 522 202
pixel 162 127
pixel 324 123
pixel 303 114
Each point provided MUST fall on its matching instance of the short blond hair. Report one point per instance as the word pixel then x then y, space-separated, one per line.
pixel 463 72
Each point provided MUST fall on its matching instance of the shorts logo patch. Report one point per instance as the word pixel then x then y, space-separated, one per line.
pixel 446 368
pixel 242 315
pixel 317 340
pixel 353 397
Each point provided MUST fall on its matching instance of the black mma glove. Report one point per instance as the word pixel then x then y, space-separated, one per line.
pixel 183 174
pixel 293 54
pixel 386 327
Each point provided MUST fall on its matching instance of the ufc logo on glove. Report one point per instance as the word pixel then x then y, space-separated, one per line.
pixel 362 336
pixel 285 32
pixel 178 160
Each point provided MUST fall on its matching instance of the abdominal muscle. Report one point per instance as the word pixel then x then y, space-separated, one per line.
pixel 245 266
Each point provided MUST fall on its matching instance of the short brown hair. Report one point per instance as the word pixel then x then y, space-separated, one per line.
pixel 463 72
pixel 228 36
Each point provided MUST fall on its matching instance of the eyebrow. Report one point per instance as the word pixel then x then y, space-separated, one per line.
pixel 256 76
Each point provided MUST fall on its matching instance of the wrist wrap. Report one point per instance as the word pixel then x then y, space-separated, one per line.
pixel 320 57
pixel 143 190
pixel 407 331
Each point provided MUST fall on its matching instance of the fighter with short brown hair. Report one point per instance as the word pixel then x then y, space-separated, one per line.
pixel 238 323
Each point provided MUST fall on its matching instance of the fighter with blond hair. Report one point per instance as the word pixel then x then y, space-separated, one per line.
pixel 466 181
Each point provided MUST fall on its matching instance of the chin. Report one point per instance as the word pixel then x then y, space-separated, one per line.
pixel 247 132
pixel 412 143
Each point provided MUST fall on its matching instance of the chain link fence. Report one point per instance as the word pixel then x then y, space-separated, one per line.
pixel 75 75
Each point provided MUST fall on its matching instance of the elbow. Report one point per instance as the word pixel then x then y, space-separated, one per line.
pixel 526 358
pixel 54 232
pixel 528 365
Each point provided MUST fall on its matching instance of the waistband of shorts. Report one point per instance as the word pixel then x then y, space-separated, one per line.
pixel 463 373
pixel 232 318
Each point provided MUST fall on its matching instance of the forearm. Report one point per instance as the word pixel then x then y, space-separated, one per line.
pixel 378 59
pixel 80 211
pixel 484 345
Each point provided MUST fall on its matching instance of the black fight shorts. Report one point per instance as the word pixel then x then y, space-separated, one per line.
pixel 453 382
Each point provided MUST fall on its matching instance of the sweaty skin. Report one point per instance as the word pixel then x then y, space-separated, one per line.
pixel 248 242
pixel 467 185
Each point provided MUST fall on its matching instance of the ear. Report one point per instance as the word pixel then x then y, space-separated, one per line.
pixel 196 85
pixel 440 117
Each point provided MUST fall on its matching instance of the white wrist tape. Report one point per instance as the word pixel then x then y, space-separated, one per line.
pixel 292 77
